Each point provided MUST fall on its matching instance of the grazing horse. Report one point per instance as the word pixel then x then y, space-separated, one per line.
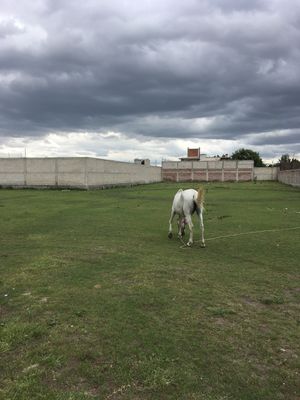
pixel 185 203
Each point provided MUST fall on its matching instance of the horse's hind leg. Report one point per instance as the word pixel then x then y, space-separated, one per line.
pixel 202 229
pixel 199 212
pixel 170 234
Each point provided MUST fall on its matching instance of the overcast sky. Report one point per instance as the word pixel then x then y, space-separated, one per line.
pixel 121 79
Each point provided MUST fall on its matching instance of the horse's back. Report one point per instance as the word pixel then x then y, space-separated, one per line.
pixel 184 201
pixel 178 201
pixel 190 194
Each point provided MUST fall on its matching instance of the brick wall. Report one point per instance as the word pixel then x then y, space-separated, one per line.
pixel 227 170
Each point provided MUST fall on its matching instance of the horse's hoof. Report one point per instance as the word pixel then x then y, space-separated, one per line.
pixel 189 244
pixel 202 245
pixel 170 235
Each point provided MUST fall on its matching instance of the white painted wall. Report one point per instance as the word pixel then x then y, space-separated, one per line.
pixel 73 172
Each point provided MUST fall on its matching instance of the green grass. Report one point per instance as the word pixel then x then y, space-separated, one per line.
pixel 97 302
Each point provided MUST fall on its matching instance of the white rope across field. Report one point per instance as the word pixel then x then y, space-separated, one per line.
pixel 240 234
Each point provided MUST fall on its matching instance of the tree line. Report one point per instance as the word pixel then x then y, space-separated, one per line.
pixel 285 161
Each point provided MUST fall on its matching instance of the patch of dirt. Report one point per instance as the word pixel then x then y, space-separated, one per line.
pixel 3 312
pixel 220 321
pixel 251 302
pixel 98 286
pixel 223 216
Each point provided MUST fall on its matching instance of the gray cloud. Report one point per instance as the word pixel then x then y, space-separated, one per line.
pixel 277 138
pixel 209 70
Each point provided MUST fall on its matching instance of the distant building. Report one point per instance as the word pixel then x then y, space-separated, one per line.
pixel 141 161
pixel 192 155
pixel 195 155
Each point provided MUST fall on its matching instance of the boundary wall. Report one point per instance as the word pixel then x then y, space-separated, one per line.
pixel 87 172
pixel 290 177
pixel 73 172
pixel 266 173
pixel 225 170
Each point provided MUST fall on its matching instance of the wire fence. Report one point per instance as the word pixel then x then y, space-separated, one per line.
pixel 12 155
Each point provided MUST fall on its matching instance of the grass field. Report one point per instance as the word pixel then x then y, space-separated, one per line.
pixel 97 302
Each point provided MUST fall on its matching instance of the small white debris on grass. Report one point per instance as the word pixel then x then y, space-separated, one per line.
pixel 44 300
pixel 33 366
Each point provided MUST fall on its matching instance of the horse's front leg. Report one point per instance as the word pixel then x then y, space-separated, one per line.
pixel 170 234
pixel 181 226
pixel 191 226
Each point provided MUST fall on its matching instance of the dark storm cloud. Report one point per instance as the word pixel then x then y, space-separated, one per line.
pixel 278 138
pixel 224 69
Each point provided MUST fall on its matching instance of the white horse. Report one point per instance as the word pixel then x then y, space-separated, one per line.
pixel 185 203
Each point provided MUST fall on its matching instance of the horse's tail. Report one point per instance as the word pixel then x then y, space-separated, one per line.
pixel 200 197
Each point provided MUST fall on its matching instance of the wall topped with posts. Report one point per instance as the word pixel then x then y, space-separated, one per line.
pixel 73 172
pixel 219 170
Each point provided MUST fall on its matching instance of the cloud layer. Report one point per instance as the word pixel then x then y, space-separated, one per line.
pixel 151 71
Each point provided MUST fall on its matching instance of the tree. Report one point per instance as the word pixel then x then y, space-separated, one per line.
pixel 295 163
pixel 285 162
pixel 225 157
pixel 247 154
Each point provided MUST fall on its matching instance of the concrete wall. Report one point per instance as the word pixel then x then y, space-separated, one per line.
pixel 73 172
pixel 226 170
pixel 290 177
pixel 94 172
pixel 266 173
